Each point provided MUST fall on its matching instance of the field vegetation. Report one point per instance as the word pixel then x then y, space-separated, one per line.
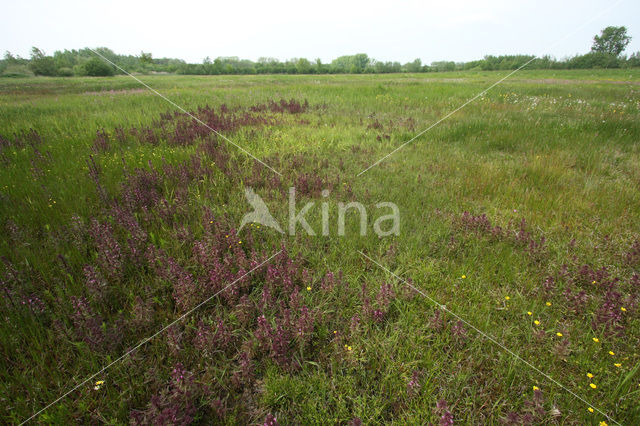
pixel 520 213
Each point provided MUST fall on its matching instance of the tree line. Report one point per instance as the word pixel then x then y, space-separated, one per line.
pixel 606 52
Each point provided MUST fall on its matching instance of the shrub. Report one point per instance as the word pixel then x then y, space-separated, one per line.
pixel 634 60
pixel 594 60
pixel 96 67
pixel 41 64
pixel 65 72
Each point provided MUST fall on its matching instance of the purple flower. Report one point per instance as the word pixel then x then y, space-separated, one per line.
pixel 35 304
pixel 96 284
pixel 413 387
pixel 246 372
pixel 87 325
pixel 175 404
pixel 270 420
pixel 632 256
pixel 442 408
pixel 210 338
pixel 94 174
pixel 110 255
pixel 101 142
pixel 142 188
pixel 458 331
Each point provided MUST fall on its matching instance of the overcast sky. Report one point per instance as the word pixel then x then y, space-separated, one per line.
pixel 401 30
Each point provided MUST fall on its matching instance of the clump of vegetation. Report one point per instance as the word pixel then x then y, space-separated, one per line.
pixel 96 67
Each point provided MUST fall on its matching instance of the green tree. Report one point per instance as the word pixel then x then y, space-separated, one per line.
pixel 303 66
pixel 612 40
pixel 41 64
pixel 96 67
pixel 8 57
pixel 320 67
pixel 146 58
pixel 441 66
pixel 354 64
pixel 65 59
pixel 415 66
pixel 361 61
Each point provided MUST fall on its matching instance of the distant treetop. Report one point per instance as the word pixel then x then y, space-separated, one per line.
pixel 606 52
pixel 612 41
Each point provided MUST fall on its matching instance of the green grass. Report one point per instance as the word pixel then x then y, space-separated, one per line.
pixel 557 148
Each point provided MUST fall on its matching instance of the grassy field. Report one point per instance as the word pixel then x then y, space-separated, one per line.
pixel 520 213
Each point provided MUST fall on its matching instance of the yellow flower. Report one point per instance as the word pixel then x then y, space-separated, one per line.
pixel 590 409
pixel 507 298
pixel 240 242
pixel 308 288
pixel 100 382
pixel 617 364
pixel 335 331
pixel 535 388
pixel 595 339
pixel 589 375
pixel 593 386
pixel 603 423
pixel 548 303
pixel 559 334
pixel 529 313
pixel 593 282
pixel 345 346
pixel 623 309
pixel 464 276
pixel 349 348
pixel 536 322
pixel 612 353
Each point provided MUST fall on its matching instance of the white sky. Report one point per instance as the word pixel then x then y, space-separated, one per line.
pixel 401 30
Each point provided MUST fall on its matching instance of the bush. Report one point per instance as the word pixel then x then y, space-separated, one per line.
pixel 96 67
pixel 43 66
pixel 594 60
pixel 634 60
pixel 65 72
